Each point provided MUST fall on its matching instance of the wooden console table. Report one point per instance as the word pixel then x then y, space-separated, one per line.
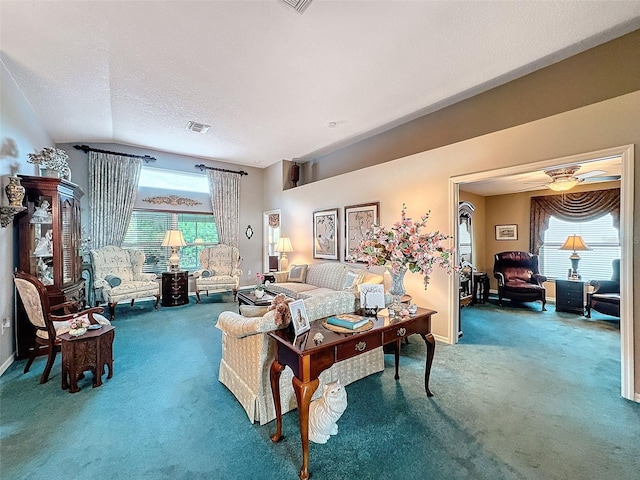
pixel 308 360
pixel 91 351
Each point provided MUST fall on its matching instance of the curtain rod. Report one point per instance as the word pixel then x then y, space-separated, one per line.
pixel 87 149
pixel 202 166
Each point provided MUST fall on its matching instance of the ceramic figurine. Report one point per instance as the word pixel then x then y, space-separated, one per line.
pixel 325 412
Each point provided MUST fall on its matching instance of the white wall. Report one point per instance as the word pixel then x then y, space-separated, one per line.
pixel 422 182
pixel 20 134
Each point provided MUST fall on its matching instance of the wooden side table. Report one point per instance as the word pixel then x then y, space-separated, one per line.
pixel 175 288
pixel 91 351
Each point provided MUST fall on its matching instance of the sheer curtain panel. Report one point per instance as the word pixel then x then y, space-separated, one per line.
pixel 113 184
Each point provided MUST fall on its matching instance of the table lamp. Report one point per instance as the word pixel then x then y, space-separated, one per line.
pixel 173 239
pixel 284 247
pixel 575 243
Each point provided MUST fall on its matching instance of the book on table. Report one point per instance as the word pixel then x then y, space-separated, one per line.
pixel 348 320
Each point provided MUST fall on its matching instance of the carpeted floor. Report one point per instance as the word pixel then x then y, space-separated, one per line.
pixel 525 395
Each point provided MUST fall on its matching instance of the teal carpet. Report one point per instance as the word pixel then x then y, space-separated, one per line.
pixel 525 395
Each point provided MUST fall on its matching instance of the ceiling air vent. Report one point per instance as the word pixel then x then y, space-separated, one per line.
pixel 298 5
pixel 198 127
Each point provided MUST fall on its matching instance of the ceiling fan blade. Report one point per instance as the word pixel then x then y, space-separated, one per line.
pixel 605 178
pixel 593 173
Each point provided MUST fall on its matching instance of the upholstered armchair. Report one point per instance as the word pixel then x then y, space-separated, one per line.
pixel 605 297
pixel 49 321
pixel 519 278
pixel 219 270
pixel 118 276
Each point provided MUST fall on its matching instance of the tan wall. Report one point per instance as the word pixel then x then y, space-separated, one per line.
pixel 422 182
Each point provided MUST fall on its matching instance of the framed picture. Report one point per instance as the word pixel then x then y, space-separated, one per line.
pixel 506 232
pixel 325 234
pixel 371 295
pixel 299 317
pixel 357 220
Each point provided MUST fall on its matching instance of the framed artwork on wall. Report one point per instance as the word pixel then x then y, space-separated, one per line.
pixel 357 220
pixel 325 234
pixel 506 232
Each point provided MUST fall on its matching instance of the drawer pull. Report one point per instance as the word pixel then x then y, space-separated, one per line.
pixel 402 332
pixel 360 346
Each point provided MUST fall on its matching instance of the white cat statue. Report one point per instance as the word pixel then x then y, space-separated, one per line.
pixel 325 411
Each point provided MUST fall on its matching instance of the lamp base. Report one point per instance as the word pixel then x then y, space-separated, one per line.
pixel 284 263
pixel 173 264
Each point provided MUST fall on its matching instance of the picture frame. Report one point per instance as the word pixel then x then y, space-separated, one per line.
pixel 506 232
pixel 357 220
pixel 299 317
pixel 372 296
pixel 325 234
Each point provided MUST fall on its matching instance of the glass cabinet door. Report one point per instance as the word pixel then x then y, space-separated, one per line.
pixel 40 240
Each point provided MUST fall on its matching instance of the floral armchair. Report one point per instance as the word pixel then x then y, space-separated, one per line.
pixel 118 276
pixel 219 270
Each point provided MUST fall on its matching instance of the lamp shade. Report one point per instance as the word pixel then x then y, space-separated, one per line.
pixel 173 238
pixel 574 242
pixel 284 245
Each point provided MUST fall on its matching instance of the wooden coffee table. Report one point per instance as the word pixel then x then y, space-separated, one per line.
pixel 91 351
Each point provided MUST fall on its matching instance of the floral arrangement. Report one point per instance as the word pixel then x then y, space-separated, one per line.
pixel 52 158
pixel 260 279
pixel 79 322
pixel 404 246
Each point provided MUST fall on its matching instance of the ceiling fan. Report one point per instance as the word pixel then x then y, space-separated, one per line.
pixel 565 178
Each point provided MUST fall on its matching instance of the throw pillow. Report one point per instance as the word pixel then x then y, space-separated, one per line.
pixel 352 280
pixel 297 273
pixel 253 310
pixel 113 281
pixel 208 273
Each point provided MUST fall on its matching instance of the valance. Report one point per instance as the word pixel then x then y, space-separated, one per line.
pixel 571 207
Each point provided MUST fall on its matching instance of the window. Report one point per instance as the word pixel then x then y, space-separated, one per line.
pixel 147 228
pixel 173 180
pixel 600 235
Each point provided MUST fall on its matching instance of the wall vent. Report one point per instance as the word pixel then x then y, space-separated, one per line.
pixel 298 5
pixel 198 127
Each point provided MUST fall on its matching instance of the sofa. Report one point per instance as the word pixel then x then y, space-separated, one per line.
pixel 248 352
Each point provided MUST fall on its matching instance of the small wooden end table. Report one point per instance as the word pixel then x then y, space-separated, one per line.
pixel 91 351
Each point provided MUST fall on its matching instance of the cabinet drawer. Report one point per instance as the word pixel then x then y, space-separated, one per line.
pixel 399 332
pixel 359 344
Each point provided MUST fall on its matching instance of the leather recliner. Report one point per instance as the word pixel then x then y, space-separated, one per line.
pixel 519 278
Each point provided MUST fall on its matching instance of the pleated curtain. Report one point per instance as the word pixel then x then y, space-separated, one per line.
pixel 113 185
pixel 571 207
pixel 224 188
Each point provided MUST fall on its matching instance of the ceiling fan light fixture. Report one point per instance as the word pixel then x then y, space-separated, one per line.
pixel 563 184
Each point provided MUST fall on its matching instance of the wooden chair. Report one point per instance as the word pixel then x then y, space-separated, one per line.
pixel 48 327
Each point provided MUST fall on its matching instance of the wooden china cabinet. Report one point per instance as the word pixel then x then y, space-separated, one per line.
pixel 49 246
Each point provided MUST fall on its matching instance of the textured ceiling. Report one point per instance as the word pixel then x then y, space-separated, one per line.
pixel 269 80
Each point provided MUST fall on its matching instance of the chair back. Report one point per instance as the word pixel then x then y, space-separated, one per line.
pixel 36 302
pixel 221 258
pixel 116 261
pixel 516 266
pixel 615 277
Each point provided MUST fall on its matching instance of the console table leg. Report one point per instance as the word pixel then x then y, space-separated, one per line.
pixel 275 371
pixel 397 358
pixel 304 392
pixel 431 347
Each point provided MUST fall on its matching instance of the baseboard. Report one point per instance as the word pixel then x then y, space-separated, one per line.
pixel 8 362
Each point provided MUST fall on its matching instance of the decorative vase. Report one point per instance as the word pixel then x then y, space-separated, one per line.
pixel 49 172
pixel 259 293
pixel 397 289
pixel 15 192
